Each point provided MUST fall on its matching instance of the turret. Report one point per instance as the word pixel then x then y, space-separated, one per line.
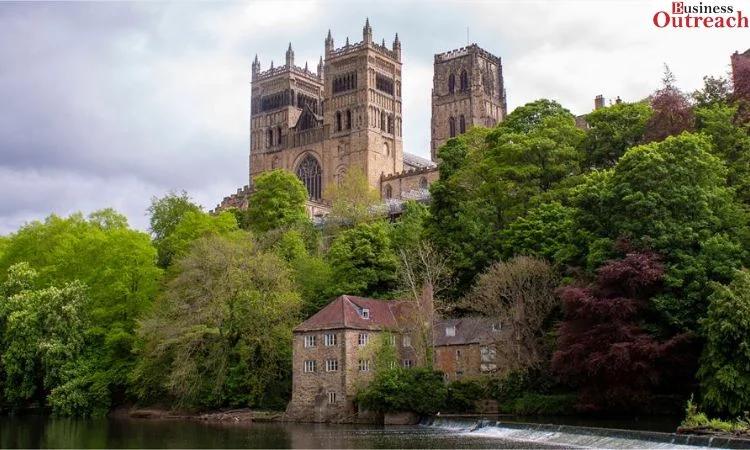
pixel 329 43
pixel 290 56
pixel 256 66
pixel 320 68
pixel 397 47
pixel 367 32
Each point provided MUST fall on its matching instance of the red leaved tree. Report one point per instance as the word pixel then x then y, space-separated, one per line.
pixel 673 113
pixel 603 346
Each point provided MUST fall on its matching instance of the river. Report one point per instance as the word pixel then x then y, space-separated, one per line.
pixel 48 432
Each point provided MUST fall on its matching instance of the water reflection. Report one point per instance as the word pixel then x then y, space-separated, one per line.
pixel 45 432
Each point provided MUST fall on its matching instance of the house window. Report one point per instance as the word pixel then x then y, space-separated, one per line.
pixel 393 340
pixel 423 183
pixel 332 365
pixel 407 363
pixel 364 365
pixel 392 364
pixel 363 338
pixel 488 353
pixel 310 365
pixel 331 398
pixel 310 341
pixel 388 191
pixel 329 339
pixel 365 313
pixel 406 341
pixel 450 331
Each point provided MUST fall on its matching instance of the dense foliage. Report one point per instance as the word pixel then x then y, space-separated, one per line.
pixel 639 219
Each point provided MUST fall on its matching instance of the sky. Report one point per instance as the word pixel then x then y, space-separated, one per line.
pixel 109 104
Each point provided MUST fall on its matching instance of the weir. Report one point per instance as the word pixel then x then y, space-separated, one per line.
pixel 580 437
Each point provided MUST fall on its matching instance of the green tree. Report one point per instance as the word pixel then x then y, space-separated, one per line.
pixel 42 342
pixel 730 142
pixel 420 390
pixel 409 229
pixel 545 232
pixel 165 214
pixel 715 91
pixel 363 262
pixel 725 364
pixel 669 197
pixel 613 130
pixel 117 264
pixel 192 226
pixel 352 200
pixel 278 201
pixel 221 336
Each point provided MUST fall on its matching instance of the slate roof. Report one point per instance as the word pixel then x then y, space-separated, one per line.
pixel 346 312
pixel 469 330
pixel 417 162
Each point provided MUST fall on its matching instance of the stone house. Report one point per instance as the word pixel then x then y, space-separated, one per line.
pixel 467 346
pixel 334 353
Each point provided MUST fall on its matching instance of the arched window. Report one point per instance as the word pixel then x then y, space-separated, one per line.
pixel 462 124
pixel 386 150
pixel 338 121
pixel 452 126
pixel 382 120
pixel 348 119
pixel 423 183
pixel 464 81
pixel 390 124
pixel 451 83
pixel 278 136
pixel 275 163
pixel 388 191
pixel 269 138
pixel 309 172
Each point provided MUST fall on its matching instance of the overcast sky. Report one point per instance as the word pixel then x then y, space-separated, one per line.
pixel 109 104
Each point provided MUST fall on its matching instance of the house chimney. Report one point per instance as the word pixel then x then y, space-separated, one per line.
pixel 598 102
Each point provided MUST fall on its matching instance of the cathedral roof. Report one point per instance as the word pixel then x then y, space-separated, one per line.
pixel 417 162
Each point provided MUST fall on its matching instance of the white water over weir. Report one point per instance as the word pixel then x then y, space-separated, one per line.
pixel 580 437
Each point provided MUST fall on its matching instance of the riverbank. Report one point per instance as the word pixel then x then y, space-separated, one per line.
pixel 237 416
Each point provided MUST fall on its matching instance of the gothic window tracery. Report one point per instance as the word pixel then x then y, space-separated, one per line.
pixel 310 174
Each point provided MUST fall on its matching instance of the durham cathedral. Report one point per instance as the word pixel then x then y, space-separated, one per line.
pixel 348 114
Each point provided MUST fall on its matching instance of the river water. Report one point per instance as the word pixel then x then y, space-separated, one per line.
pixel 47 432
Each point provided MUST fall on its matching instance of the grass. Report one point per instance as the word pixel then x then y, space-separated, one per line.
pixel 696 420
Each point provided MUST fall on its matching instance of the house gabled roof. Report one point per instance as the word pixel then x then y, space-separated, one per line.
pixel 347 312
pixel 468 330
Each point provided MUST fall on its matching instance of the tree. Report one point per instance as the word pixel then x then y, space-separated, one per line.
pixel 352 200
pixel 221 335
pixel 362 261
pixel 715 91
pixel 165 214
pixel 613 130
pixel 490 178
pixel 118 266
pixel 669 197
pixel 545 232
pixel 42 343
pixel 409 230
pixel 420 390
pixel 603 347
pixel 724 371
pixel 278 201
pixel 672 111
pixel 520 295
pixel 192 226
pixel 730 142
